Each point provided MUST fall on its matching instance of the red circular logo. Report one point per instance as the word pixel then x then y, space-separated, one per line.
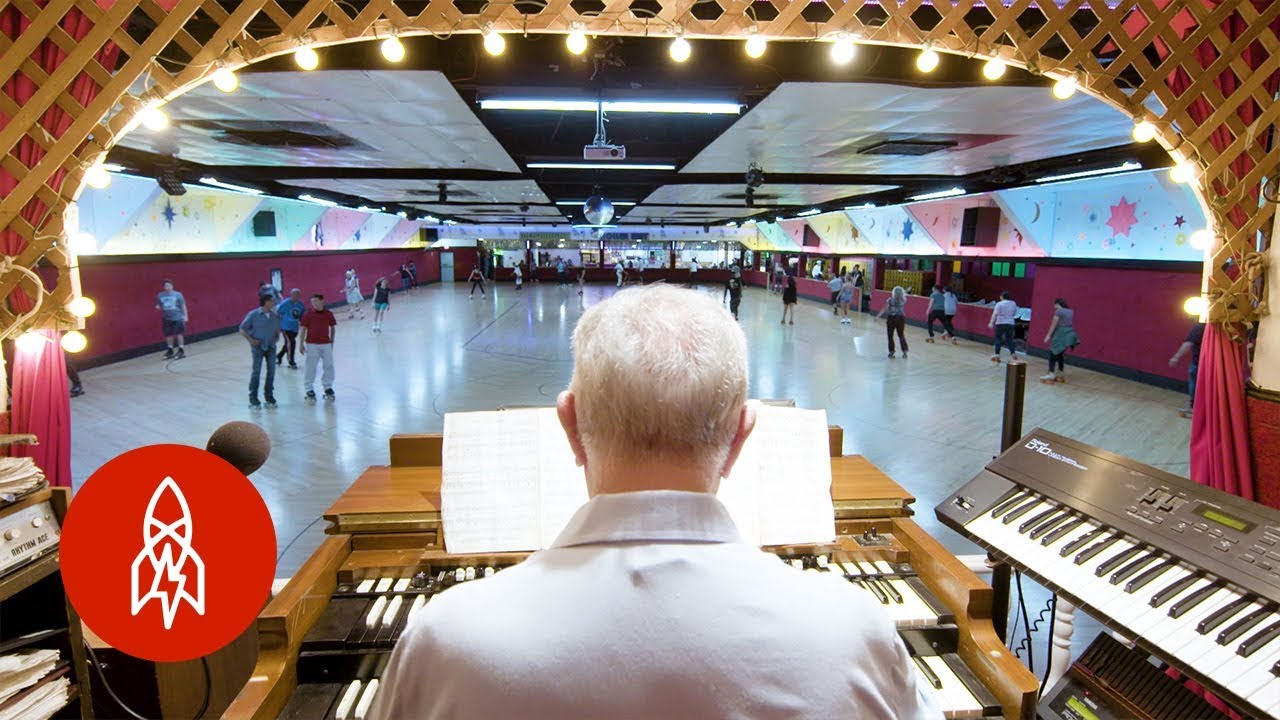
pixel 168 553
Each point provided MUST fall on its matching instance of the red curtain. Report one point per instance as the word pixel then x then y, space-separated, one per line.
pixel 1219 428
pixel 41 404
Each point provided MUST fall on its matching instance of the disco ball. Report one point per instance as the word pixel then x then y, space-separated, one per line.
pixel 598 209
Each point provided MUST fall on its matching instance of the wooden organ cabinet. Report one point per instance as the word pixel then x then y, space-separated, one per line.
pixel 326 637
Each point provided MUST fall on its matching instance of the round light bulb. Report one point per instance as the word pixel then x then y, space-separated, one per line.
pixel 225 80
pixel 82 307
pixel 576 42
pixel 306 58
pixel 1182 172
pixel 1144 131
pixel 994 69
pixel 494 43
pixel 756 45
pixel 83 243
pixel 154 118
pixel 842 50
pixel 1201 239
pixel 927 60
pixel 680 49
pixel 30 342
pixel 97 177
pixel 1194 305
pixel 74 341
pixel 1064 88
pixel 393 49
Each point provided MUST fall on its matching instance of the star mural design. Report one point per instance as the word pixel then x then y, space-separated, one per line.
pixel 1122 218
pixel 168 213
pixel 907 230
pixel 1180 221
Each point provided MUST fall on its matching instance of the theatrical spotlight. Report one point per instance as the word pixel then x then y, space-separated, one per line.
pixel 444 192
pixel 755 176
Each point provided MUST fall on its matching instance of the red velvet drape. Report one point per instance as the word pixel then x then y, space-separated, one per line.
pixel 40 401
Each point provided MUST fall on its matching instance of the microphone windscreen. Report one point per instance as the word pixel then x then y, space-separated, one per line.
pixel 243 444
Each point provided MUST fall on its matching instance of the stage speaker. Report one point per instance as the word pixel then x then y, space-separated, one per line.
pixel 980 228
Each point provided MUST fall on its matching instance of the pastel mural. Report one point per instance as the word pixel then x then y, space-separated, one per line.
pixel 893 231
pixel 1141 216
pixel 838 233
pixel 943 220
pixel 133 216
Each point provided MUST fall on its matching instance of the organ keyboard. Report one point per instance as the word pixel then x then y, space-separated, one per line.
pixel 325 638
pixel 1190 573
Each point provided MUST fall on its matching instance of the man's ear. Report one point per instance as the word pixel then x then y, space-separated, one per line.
pixel 567 411
pixel 746 423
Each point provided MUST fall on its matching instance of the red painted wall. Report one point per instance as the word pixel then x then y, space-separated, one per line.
pixel 1130 318
pixel 219 291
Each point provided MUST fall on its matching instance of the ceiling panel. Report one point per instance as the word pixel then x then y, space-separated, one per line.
pixel 427 191
pixel 697 194
pixel 821 127
pixel 394 118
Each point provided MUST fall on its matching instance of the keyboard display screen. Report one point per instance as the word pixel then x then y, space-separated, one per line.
pixel 1235 523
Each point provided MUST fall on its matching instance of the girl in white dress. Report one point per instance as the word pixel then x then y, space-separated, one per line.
pixel 351 288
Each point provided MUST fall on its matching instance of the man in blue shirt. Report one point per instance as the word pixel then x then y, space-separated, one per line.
pixel 289 311
pixel 261 328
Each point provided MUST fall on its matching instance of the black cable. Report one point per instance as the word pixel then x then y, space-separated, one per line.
pixel 296 538
pixel 93 660
pixel 1026 622
pixel 1048 651
pixel 204 706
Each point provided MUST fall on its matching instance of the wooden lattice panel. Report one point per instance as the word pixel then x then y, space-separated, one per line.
pixel 1129 56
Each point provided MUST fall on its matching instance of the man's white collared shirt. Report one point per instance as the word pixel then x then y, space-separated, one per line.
pixel 649 605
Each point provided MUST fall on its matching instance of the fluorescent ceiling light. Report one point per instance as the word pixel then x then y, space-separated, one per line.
pixel 748 222
pixel 953 192
pixel 864 206
pixel 431 220
pixel 731 224
pixel 403 214
pixel 691 108
pixel 807 213
pixel 318 201
pixel 593 227
pixel 1126 167
pixel 618 203
pixel 112 167
pixel 450 222
pixel 597 166
pixel 215 182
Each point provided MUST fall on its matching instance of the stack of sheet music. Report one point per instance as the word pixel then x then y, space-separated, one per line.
pixel 33 684
pixel 18 476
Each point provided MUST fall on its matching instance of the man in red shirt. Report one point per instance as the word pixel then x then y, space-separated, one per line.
pixel 317 330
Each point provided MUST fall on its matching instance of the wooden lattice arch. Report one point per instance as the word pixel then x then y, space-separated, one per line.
pixel 1159 60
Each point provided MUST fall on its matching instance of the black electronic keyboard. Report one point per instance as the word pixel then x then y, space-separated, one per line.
pixel 1191 574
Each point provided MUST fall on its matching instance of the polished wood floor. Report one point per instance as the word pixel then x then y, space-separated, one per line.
pixel 931 421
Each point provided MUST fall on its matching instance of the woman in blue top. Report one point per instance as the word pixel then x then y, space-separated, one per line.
pixel 1061 338
pixel 896 308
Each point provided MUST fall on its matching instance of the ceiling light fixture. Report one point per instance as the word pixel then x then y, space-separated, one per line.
pixel 756 44
pixel 928 59
pixel 494 43
pixel 680 49
pixel 97 177
pixel 577 39
pixel 153 118
pixel 994 69
pixel 431 220
pixel 864 206
pixel 1201 239
pixel 807 213
pixel 578 203
pixel 622 106
pixel 317 201
pixel 1065 87
pixel 953 192
pixel 1128 166
pixel 228 186
pixel 393 49
pixel 225 79
pixel 843 49
pixel 306 58
pixel 1144 131
pixel 598 166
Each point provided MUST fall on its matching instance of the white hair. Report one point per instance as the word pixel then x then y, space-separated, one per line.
pixel 659 372
pixel 899 295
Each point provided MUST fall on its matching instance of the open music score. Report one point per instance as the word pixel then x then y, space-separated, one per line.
pixel 510 482
pixel 337 620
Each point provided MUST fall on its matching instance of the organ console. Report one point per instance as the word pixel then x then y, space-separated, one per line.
pixel 326 637
pixel 1190 573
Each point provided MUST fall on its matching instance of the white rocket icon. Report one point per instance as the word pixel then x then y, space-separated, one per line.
pixel 163 567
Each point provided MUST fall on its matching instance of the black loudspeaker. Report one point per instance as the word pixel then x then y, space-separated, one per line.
pixel 980 228
pixel 264 224
pixel 169 182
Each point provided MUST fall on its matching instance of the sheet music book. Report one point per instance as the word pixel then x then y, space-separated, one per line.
pixel 510 483
pixel 24 668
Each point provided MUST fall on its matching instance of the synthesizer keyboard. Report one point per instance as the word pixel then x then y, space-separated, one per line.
pixel 1191 574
